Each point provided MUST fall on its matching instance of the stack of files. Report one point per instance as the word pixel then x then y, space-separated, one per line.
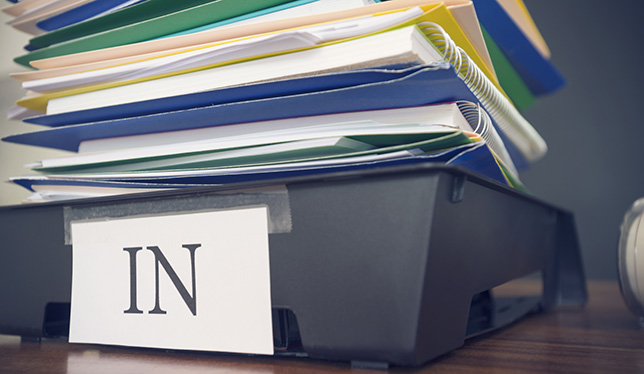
pixel 266 90
pixel 515 45
pixel 272 149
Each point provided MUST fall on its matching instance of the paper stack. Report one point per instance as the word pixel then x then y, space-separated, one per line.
pixel 162 94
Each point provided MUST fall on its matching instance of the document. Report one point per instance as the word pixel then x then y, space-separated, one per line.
pixel 475 156
pixel 233 51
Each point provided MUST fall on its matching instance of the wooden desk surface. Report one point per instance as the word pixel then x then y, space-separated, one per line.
pixel 603 337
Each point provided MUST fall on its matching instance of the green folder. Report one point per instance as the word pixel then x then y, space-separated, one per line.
pixel 195 16
pixel 353 146
pixel 509 79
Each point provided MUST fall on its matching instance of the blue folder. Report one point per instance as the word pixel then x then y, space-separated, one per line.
pixel 272 89
pixel 475 157
pixel 420 86
pixel 539 73
pixel 29 183
pixel 78 14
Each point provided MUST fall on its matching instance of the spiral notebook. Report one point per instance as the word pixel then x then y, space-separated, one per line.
pixel 379 128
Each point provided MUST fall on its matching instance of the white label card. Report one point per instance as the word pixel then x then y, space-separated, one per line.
pixel 197 281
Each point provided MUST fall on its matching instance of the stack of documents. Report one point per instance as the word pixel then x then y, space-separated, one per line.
pixel 162 94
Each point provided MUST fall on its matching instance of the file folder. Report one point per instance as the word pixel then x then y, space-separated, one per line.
pixel 389 266
pixel 407 88
pixel 284 87
pixel 205 11
pixel 538 72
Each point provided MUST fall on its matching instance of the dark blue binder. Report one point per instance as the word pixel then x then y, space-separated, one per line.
pixel 421 86
pixel 272 89
pixel 539 73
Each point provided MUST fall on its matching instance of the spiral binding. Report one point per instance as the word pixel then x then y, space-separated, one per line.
pixel 506 116
pixel 482 125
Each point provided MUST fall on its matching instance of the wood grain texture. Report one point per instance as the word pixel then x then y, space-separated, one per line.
pixel 602 337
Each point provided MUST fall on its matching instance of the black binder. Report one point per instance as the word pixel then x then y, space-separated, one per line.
pixel 377 267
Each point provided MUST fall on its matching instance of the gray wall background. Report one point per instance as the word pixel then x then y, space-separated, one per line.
pixel 592 126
